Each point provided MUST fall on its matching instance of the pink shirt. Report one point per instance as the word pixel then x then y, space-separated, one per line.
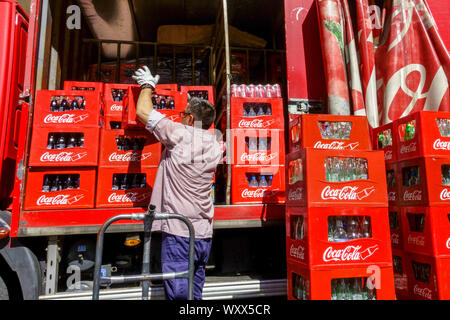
pixel 185 176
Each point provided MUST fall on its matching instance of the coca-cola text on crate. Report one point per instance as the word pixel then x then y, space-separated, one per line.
pixel 352 237
pixel 63 109
pixel 340 178
pixel 428 277
pixel 60 189
pixel 399 262
pixel 330 132
pixel 113 98
pixel 73 147
pixel 257 147
pixel 257 113
pixel 384 139
pixel 426 230
pixel 423 134
pixel 204 92
pixel 257 184
pixel 352 283
pixel 393 183
pixel 128 147
pixel 396 222
pixel 123 187
pixel 84 86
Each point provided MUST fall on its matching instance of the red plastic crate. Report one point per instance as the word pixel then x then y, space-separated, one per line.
pixel 167 86
pixel 83 197
pixel 393 183
pixel 427 141
pixel 273 154
pixel 208 89
pixel 306 132
pixel 396 227
pixel 275 121
pixel 129 120
pixel 319 282
pixel 242 193
pixel 87 155
pixel 90 117
pixel 309 186
pixel 137 197
pixel 390 149
pixel 428 277
pixel 90 86
pixel 399 261
pixel 432 189
pixel 114 108
pixel 308 243
pixel 110 155
pixel 426 230
pixel 113 123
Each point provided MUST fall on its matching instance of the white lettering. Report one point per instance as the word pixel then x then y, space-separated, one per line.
pixel 256 123
pixel 413 196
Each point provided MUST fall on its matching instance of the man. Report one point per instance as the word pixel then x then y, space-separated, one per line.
pixel 183 182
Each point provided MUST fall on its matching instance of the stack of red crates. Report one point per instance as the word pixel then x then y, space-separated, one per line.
pixel 418 170
pixel 337 227
pixel 64 148
pixel 257 151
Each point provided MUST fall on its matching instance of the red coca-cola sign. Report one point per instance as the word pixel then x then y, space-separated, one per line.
pixel 255 124
pixel 128 157
pixel 62 156
pixel 346 193
pixel 350 253
pixel 66 118
pixel 58 200
pixel 336 145
pixel 127 197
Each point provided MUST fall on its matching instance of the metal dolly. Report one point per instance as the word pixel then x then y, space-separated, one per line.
pixel 145 276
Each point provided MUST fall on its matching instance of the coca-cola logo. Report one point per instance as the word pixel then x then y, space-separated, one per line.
pixel 408 148
pixel 445 195
pixel 258 193
pixel 423 292
pixel 448 243
pixel 295 195
pixel 58 200
pixel 441 145
pixel 416 240
pixel 256 123
pixel 392 196
pixel 388 155
pixel 395 238
pixel 297 252
pixel 65 118
pixel 336 145
pixel 412 196
pixel 350 253
pixel 259 157
pixel 346 193
pixel 127 197
pixel 62 157
pixel 128 157
pixel 116 107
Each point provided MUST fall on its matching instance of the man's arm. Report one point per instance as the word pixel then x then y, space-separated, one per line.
pixel 144 105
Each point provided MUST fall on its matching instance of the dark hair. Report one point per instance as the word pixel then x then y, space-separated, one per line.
pixel 203 111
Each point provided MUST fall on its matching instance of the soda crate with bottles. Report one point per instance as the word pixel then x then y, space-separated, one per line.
pixel 257 184
pixel 113 97
pixel 399 262
pixel 64 188
pixel 393 183
pixel 329 132
pixel 426 230
pixel 84 86
pixel 123 187
pixel 162 100
pixel 73 146
pixel 428 277
pixel 63 109
pixel 336 178
pixel 396 227
pixel 203 92
pixel 257 113
pixel 424 181
pixel 128 148
pixel 257 147
pixel 423 134
pixel 358 283
pixel 384 139
pixel 113 122
pixel 338 237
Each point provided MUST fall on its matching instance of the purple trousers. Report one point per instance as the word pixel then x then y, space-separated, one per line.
pixel 175 258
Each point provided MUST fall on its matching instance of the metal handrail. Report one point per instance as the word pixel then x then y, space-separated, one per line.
pixel 145 276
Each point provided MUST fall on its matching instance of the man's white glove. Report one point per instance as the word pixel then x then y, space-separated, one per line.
pixel 144 77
